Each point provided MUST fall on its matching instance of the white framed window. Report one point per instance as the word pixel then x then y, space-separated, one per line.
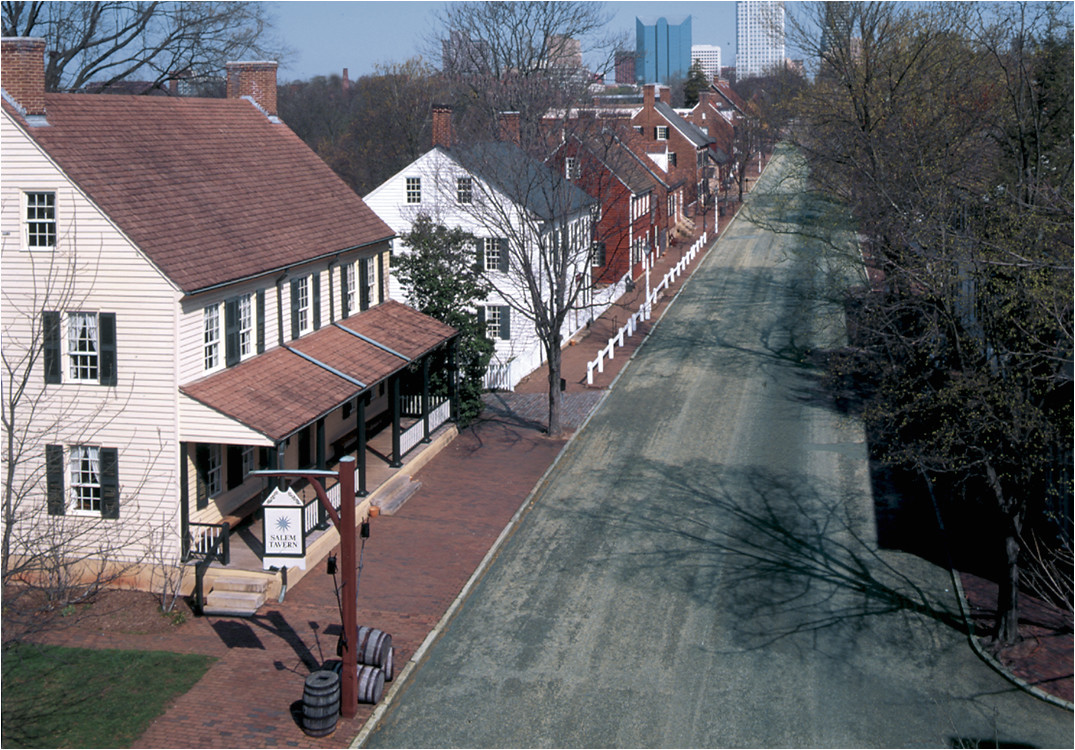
pixel 371 279
pixel 414 189
pixel 302 305
pixel 246 325
pixel 249 461
pixel 491 252
pixel 661 132
pixel 638 247
pixel 492 321
pixel 349 287
pixel 85 466
pixel 82 347
pixel 571 168
pixel 211 337
pixel 214 471
pixel 464 190
pixel 39 220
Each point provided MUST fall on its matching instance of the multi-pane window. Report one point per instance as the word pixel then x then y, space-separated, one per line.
pixel 371 279
pixel 85 465
pixel 492 321
pixel 302 304
pixel 571 168
pixel 638 246
pixel 246 325
pixel 211 338
pixel 249 460
pixel 414 189
pixel 40 220
pixel 491 253
pixel 464 190
pixel 349 287
pixel 82 350
pixel 672 159
pixel 661 132
pixel 214 471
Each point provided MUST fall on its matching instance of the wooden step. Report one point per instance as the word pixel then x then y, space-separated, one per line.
pixel 395 492
pixel 235 596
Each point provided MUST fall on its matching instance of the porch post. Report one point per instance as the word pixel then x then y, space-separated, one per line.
pixel 453 378
pixel 425 399
pixel 276 461
pixel 360 428
pixel 349 683
pixel 184 502
pixel 322 516
pixel 393 386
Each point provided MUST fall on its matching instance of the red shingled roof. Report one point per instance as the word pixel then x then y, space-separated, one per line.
pixel 281 391
pixel 210 189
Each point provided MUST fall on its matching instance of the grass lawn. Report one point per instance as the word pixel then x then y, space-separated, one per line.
pixel 73 697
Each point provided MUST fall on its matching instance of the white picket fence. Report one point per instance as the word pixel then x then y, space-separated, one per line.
pixel 644 311
pixel 414 434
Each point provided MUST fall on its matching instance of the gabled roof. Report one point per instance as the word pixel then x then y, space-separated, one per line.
pixel 525 181
pixel 689 131
pixel 211 190
pixel 288 387
pixel 727 93
pixel 616 157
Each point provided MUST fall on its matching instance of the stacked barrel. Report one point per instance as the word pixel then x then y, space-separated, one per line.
pixel 376 666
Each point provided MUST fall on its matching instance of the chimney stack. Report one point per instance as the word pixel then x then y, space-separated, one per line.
pixel 442 126
pixel 509 128
pixel 666 95
pixel 346 84
pixel 23 60
pixel 256 80
pixel 648 95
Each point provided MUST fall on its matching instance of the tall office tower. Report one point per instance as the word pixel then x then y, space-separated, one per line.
pixel 759 37
pixel 662 49
pixel 709 56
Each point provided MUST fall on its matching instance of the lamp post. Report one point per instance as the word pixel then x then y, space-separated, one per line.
pixel 345 523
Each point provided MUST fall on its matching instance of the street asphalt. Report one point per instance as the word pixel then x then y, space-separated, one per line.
pixel 701 569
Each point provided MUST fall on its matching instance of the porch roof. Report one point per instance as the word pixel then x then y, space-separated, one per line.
pixel 288 387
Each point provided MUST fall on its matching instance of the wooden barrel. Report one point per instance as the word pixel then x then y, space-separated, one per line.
pixel 370 684
pixel 390 664
pixel 321 703
pixel 372 646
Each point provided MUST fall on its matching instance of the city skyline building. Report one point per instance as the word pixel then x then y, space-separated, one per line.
pixel 662 49
pixel 709 56
pixel 759 37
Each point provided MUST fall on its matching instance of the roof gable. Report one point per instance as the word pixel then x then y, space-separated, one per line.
pixel 210 190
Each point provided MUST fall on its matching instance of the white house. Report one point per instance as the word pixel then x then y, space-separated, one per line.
pixel 190 294
pixel 518 209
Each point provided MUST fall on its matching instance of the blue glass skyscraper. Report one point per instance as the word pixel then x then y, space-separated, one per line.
pixel 662 49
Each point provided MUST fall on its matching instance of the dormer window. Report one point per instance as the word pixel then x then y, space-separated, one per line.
pixel 414 190
pixel 39 224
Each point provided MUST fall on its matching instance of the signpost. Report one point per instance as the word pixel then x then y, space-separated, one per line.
pixel 285 542
pixel 344 521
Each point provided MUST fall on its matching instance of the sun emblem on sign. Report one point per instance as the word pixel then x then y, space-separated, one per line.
pixel 283 524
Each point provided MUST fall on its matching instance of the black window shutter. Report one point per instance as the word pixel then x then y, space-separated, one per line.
pixel 655 132
pixel 505 322
pixel 295 308
pixel 106 333
pixel 261 321
pixel 55 499
pixel 481 315
pixel 231 331
pixel 109 483
pixel 382 278
pixel 263 456
pixel 50 329
pixel 201 476
pixel 502 264
pixel 316 296
pixel 344 312
pixel 363 285
pixel 235 466
pixel 480 246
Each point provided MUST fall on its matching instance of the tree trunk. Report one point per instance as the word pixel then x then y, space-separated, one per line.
pixel 1007 626
pixel 555 397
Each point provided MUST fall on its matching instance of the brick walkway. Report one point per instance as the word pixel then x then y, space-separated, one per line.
pixel 415 563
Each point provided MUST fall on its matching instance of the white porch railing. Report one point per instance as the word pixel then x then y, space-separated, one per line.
pixel 644 311
pixel 416 432
pixel 498 378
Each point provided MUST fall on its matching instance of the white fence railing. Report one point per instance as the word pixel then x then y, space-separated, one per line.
pixel 644 311
pixel 416 432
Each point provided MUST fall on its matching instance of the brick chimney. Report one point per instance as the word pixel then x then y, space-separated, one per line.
pixel 442 126
pixel 254 79
pixel 23 61
pixel 345 84
pixel 509 127
pixel 648 95
pixel 666 95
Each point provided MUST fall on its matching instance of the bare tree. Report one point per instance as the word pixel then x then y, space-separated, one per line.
pixel 939 126
pixel 106 42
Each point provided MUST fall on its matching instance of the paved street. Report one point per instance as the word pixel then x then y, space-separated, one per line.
pixel 701 569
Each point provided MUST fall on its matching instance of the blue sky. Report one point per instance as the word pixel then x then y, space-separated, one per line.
pixel 326 37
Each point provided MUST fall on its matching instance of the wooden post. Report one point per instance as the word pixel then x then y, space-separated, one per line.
pixel 348 531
